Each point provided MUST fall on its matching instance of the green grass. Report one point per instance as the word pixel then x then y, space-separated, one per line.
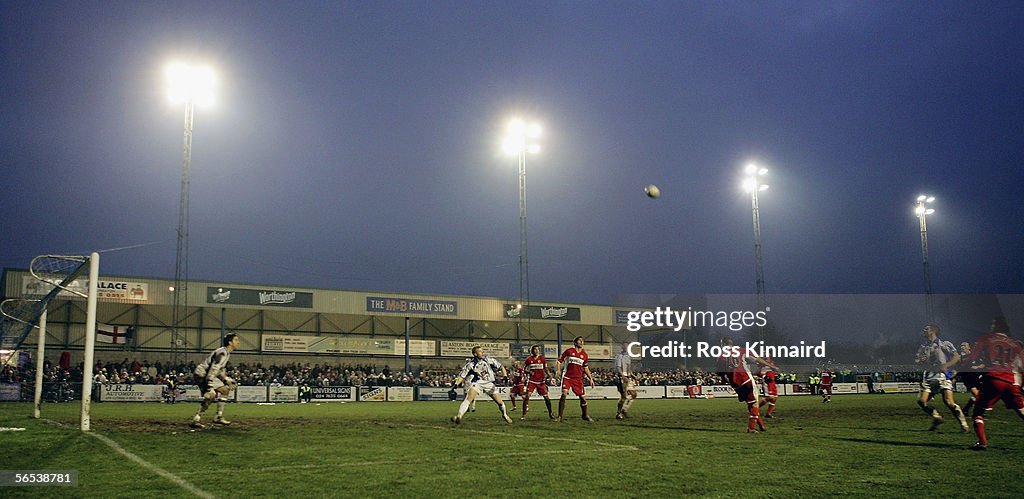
pixel 857 446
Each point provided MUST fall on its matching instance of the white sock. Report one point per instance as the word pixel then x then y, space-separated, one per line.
pixel 220 408
pixel 463 407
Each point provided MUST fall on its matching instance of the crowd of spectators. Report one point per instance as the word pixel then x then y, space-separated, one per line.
pixel 346 374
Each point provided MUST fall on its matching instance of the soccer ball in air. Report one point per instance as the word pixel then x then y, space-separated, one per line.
pixel 652 191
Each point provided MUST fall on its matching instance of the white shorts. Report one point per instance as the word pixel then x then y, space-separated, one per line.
pixel 936 384
pixel 484 387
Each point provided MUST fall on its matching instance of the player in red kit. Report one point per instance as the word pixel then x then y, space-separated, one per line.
pixel 771 390
pixel 536 368
pixel 1002 360
pixel 826 385
pixel 734 365
pixel 574 364
pixel 517 384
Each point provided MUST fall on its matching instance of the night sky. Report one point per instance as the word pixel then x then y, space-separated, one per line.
pixel 356 145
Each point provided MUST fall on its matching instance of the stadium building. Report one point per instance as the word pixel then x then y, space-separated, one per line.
pixel 282 324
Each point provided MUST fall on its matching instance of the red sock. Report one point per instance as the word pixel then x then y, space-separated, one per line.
pixel 754 416
pixel 979 429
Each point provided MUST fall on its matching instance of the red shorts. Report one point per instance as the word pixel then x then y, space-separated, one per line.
pixel 826 389
pixel 772 390
pixel 994 390
pixel 540 386
pixel 576 384
pixel 517 389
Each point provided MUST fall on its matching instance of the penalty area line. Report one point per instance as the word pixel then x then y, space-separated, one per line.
pixel 142 462
pixel 152 467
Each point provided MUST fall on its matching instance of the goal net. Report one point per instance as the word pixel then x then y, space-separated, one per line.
pixel 57 273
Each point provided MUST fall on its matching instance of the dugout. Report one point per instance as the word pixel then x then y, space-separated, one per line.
pixel 284 324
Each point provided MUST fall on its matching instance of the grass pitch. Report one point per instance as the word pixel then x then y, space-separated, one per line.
pixel 857 446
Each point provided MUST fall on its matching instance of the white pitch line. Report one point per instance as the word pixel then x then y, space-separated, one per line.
pixel 152 467
pixel 145 464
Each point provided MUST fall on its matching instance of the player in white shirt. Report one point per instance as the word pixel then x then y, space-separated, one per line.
pixel 480 372
pixel 938 357
pixel 214 382
pixel 624 381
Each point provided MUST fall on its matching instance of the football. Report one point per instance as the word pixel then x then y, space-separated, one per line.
pixel 652 191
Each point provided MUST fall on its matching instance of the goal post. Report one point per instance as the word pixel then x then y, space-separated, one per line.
pixel 90 338
pixel 19 316
pixel 37 398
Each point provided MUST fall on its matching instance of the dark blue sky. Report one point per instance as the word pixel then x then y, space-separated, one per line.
pixel 356 144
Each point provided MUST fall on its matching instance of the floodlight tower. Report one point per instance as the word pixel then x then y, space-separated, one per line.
pixel 188 85
pixel 753 184
pixel 922 211
pixel 520 140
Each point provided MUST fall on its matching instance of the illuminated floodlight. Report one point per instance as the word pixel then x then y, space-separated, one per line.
pixel 521 137
pixel 752 183
pixel 187 83
pixel 920 209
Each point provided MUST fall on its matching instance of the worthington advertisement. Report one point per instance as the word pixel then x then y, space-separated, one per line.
pixel 259 297
pixel 543 312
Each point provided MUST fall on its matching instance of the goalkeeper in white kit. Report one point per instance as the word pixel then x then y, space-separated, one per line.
pixel 214 382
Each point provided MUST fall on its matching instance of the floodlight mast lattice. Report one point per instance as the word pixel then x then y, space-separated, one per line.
pixel 520 140
pixel 922 211
pixel 753 184
pixel 188 85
